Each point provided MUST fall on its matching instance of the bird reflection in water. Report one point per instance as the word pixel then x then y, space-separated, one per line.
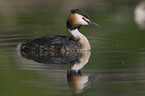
pixel 77 60
pixel 78 82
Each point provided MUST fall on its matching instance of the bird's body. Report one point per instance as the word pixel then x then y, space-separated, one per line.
pixel 76 40
pixel 53 43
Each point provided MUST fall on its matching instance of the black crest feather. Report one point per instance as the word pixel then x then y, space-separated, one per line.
pixel 80 12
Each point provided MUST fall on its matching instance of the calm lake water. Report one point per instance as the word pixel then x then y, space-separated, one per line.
pixel 114 67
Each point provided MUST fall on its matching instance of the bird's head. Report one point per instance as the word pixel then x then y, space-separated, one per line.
pixel 78 18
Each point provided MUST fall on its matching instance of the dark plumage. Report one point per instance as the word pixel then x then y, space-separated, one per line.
pixel 53 43
pixel 80 12
pixel 45 56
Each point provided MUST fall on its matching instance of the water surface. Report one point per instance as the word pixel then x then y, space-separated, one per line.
pixel 117 60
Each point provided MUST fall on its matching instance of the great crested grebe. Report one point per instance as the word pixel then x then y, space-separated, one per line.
pixel 76 40
pixel 140 14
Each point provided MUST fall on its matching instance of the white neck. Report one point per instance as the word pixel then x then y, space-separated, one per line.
pixel 82 39
pixel 82 61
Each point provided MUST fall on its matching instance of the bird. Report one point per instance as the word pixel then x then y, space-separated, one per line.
pixel 75 41
pixel 140 15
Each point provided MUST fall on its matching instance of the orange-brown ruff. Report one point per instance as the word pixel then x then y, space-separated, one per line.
pixel 76 40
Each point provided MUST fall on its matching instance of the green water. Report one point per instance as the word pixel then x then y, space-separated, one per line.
pixel 118 56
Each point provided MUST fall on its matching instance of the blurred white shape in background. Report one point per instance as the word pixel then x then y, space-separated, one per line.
pixel 140 14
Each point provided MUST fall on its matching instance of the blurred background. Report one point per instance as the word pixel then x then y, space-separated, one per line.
pixel 118 47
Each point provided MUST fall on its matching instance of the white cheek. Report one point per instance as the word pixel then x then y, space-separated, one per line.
pixel 81 21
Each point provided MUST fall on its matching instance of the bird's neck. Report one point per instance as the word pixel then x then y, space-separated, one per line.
pixel 77 36
pixel 82 61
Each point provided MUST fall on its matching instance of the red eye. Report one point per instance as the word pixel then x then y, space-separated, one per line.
pixel 85 19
